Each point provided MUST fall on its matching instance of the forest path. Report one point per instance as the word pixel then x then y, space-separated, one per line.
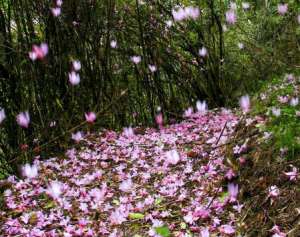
pixel 142 182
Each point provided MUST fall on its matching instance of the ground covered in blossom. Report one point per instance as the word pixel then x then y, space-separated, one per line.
pixel 170 181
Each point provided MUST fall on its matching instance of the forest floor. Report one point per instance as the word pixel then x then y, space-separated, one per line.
pixel 171 181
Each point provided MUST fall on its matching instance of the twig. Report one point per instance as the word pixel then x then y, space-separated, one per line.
pixel 221 134
pixel 215 196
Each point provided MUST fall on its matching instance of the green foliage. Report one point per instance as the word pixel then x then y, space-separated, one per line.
pixel 136 216
pixel 286 127
pixel 163 231
pixel 84 32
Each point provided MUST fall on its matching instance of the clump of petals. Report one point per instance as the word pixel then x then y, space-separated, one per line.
pixel 185 13
pixel 292 174
pixel 230 174
pixel 245 5
pixel 59 3
pixel 30 171
pixel 276 112
pixel 294 102
pixel 126 185
pixel 188 112
pixel 77 137
pixel 283 99
pixel 201 106
pixel 189 218
pixel 233 6
pixel 55 189
pixel 179 14
pixel 128 132
pixel 205 232
pixel 277 232
pixel 227 229
pixel 172 157
pixel 241 45
pixel 117 217
pixel 233 190
pixel 38 52
pixel 192 12
pixel 274 191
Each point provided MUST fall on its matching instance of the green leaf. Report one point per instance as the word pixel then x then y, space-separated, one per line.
pixel 163 231
pixel 223 196
pixel 50 205
pixel 116 202
pixel 192 36
pixel 136 216
pixel 59 104
pixel 158 201
pixel 298 31
pixel 182 225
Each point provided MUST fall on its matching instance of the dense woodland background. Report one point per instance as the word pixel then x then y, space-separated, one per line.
pixel 121 92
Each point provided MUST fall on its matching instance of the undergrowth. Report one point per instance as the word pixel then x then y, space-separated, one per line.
pixel 263 152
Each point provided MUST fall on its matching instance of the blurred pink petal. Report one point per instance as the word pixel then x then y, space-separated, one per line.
pixel 90 117
pixel 230 16
pixel 77 137
pixel 203 52
pixel 172 157
pixel 59 3
pixel 245 103
pixel 55 189
pixel 2 115
pixel 56 11
pixel 274 191
pixel 292 174
pixel 245 5
pixel 30 171
pixel 152 68
pixel 201 106
pixel 38 52
pixel 205 232
pixel 282 8
pixel 76 65
pixel 159 119
pixel 233 190
pixel 227 229
pixel 113 44
pixel 74 78
pixel 136 59
pixel 23 119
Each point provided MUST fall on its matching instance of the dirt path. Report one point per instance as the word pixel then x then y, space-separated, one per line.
pixel 168 182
